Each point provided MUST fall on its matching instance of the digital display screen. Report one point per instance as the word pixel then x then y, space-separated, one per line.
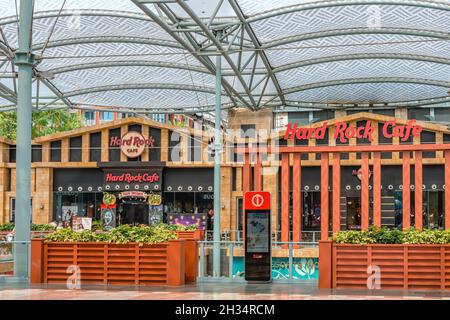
pixel 257 235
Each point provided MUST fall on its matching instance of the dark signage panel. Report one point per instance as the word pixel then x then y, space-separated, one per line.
pixel 258 246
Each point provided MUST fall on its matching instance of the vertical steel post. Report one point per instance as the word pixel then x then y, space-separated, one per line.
pixel 24 59
pixel 217 162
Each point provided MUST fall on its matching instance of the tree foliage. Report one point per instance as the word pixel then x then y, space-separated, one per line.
pixel 43 123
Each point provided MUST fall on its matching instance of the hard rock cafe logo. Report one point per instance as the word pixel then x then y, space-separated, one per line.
pixel 358 173
pixel 132 144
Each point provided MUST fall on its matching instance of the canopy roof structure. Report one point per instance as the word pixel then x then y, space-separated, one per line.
pixel 159 55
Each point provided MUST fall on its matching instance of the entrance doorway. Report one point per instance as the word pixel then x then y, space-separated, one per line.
pixel 134 213
pixel 353 213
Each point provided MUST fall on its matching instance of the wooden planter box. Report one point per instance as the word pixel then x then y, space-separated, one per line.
pixel 105 263
pixel 402 266
pixel 196 235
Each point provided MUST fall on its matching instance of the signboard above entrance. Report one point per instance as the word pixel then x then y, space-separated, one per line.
pixel 132 144
pixel 132 179
pixel 343 131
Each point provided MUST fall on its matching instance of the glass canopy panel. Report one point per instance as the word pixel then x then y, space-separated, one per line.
pixel 269 27
pixel 364 68
pixel 357 44
pixel 116 75
pixel 385 92
pixel 150 98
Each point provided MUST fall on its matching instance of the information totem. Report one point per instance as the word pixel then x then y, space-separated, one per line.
pixel 258 246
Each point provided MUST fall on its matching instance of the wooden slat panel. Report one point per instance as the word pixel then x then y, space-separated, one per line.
pixel 406 190
pixel 336 192
pixel 285 197
pixel 418 191
pixel 297 198
pixel 324 196
pixel 365 191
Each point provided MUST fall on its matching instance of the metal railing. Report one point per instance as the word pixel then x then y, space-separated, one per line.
pixel 236 235
pixel 229 253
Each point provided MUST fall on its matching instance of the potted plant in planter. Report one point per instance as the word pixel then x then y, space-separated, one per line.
pixel 125 255
pixel 411 259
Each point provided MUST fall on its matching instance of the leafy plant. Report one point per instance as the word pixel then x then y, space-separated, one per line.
pixel 42 227
pixel 97 225
pixel 7 227
pixel 120 235
pixel 393 236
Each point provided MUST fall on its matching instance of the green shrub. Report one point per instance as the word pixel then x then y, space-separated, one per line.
pixel 120 235
pixel 7 227
pixel 392 236
pixel 42 227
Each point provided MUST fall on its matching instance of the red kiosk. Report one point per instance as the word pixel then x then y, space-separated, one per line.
pixel 258 247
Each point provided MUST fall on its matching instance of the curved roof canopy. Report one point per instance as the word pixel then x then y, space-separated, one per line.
pixel 159 55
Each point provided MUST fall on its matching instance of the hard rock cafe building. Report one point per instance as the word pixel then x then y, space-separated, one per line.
pixel 344 173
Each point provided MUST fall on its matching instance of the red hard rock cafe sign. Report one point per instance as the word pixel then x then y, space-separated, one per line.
pixel 132 144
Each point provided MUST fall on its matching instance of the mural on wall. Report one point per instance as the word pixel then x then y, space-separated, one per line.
pixel 303 268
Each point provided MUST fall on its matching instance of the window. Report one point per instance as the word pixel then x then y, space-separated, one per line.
pixel 174 146
pixel 75 149
pixel 301 118
pixel 114 152
pixel 12 210
pixel 106 116
pixel 155 151
pixel 158 117
pixel 36 153
pixel 442 114
pixel 419 114
pixel 95 143
pixel 89 118
pixel 55 151
pixel 248 131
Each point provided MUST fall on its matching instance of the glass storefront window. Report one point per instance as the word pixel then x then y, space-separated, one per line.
pixel 311 211
pixel 432 209
pixel 77 203
pixel 188 202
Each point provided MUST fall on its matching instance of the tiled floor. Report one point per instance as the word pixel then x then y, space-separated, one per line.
pixel 208 291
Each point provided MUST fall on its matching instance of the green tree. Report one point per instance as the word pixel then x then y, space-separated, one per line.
pixel 43 123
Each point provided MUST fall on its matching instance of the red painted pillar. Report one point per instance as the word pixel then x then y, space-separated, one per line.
pixel 406 191
pixel 447 189
pixel 336 192
pixel 377 189
pixel 365 191
pixel 324 203
pixel 418 221
pixel 285 197
pixel 258 173
pixel 246 173
pixel 297 198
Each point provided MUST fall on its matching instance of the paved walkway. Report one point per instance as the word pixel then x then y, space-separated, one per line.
pixel 208 291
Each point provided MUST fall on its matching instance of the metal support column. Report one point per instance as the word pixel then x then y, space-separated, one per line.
pixel 217 162
pixel 25 60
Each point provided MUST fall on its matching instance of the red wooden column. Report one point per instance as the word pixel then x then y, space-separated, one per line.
pixel 447 189
pixel 365 191
pixel 336 192
pixel 246 173
pixel 406 191
pixel 285 197
pixel 418 176
pixel 324 203
pixel 377 189
pixel 297 198
pixel 258 174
